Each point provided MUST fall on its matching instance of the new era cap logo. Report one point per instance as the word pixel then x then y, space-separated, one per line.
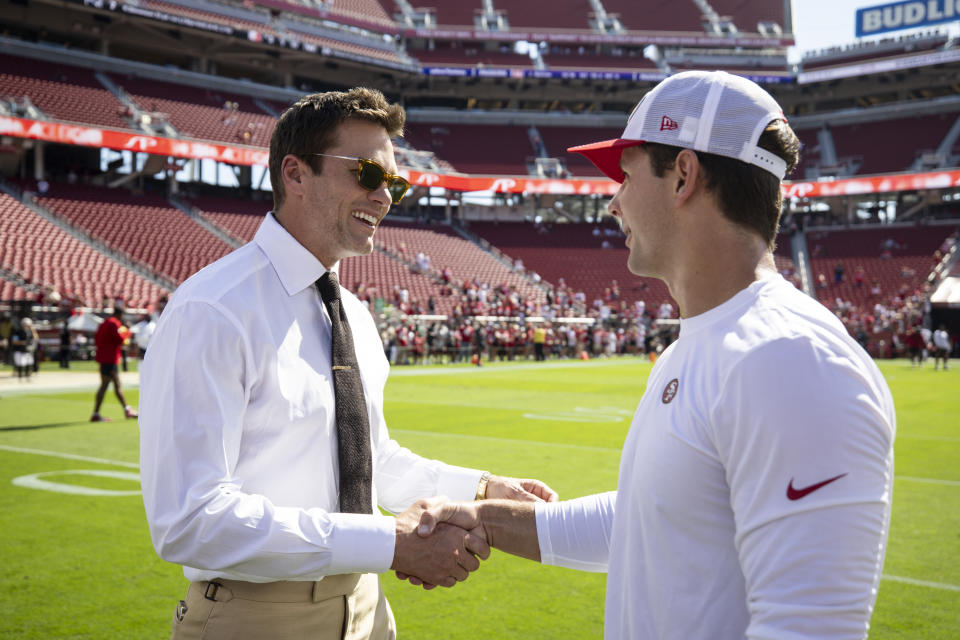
pixel 668 124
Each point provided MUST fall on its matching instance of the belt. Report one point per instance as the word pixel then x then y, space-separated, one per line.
pixel 220 590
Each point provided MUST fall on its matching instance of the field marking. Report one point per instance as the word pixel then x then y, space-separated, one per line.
pixel 922 583
pixel 470 436
pixel 69 456
pixel 923 437
pixel 35 481
pixel 582 414
pixel 562 364
pixel 950 483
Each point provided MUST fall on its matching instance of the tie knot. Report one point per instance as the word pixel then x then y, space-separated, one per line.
pixel 328 287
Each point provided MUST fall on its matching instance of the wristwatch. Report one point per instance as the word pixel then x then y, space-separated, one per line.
pixel 482 486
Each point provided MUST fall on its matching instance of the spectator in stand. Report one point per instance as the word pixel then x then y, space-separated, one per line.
pixel 24 341
pixel 838 274
pixel 109 339
pixel 941 347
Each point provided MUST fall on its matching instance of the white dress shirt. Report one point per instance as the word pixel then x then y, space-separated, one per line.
pixel 238 442
pixel 755 483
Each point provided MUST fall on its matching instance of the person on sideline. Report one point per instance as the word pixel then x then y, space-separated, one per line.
pixel 755 482
pixel 24 341
pixel 941 347
pixel 109 340
pixel 264 450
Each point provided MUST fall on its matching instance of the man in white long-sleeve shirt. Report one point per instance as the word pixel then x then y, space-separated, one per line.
pixel 754 492
pixel 242 477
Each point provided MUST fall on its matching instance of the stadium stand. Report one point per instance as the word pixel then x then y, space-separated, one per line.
pixel 562 14
pixel 490 149
pixel 446 249
pixel 558 139
pixel 747 14
pixel 450 12
pixel 201 114
pixel 471 54
pixel 890 145
pixel 238 218
pixel 593 257
pixel 595 57
pixel 61 91
pixel 46 255
pixel 874 51
pixel 379 275
pixel 897 259
pixel 657 15
pixel 139 226
pixel 11 291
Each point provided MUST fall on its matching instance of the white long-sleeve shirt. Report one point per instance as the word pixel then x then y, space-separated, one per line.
pixel 238 444
pixel 755 483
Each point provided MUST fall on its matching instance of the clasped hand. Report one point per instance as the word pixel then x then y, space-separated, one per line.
pixel 440 542
pixel 442 557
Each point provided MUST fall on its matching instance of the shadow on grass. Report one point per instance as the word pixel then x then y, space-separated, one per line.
pixel 32 427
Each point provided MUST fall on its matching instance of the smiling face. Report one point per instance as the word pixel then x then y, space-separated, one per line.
pixel 642 205
pixel 328 212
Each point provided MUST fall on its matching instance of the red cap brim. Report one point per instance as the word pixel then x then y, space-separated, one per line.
pixel 606 155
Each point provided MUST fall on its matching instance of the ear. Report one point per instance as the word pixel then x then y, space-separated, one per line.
pixel 686 170
pixel 292 171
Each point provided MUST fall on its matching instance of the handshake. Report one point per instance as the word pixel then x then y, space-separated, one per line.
pixel 439 543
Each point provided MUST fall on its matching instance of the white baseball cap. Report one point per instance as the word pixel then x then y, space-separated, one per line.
pixel 710 111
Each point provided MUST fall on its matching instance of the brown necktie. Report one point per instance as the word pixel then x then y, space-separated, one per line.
pixel 353 427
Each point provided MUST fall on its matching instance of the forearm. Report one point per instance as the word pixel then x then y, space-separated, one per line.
pixel 511 526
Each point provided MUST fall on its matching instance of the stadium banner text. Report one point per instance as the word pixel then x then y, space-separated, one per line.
pixel 568 74
pixel 126 141
pixel 911 14
pixel 248 156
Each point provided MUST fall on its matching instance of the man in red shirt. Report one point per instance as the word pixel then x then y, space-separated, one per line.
pixel 109 342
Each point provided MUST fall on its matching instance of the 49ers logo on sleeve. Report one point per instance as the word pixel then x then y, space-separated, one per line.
pixel 670 391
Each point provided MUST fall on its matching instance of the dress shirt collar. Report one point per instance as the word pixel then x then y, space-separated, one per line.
pixel 296 267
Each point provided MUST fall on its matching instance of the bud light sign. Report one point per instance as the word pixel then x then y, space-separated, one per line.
pixel 905 15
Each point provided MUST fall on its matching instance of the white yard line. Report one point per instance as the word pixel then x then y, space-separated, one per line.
pixel 69 456
pixel 922 583
pixel 399 372
pixel 949 483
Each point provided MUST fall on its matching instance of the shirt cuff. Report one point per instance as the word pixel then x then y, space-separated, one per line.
pixel 540 511
pixel 458 483
pixel 362 543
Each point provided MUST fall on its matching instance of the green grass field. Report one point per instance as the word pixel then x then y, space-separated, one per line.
pixel 81 566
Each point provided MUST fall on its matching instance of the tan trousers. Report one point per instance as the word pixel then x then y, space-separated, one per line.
pixel 345 607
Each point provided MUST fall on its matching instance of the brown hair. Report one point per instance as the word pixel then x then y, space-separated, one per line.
pixel 747 195
pixel 310 126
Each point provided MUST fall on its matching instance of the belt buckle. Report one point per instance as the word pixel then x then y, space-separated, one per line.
pixel 214 587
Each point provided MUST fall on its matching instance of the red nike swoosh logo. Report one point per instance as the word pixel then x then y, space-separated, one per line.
pixel 796 494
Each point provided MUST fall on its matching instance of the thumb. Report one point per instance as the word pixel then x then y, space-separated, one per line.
pixel 447 512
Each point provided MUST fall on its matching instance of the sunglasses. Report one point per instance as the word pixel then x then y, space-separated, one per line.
pixel 371 175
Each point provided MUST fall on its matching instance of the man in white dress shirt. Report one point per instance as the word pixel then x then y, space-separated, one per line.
pixel 755 483
pixel 239 441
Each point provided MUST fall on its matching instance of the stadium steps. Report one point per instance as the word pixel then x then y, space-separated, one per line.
pixel 141 119
pixel 101 248
pixel 209 225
